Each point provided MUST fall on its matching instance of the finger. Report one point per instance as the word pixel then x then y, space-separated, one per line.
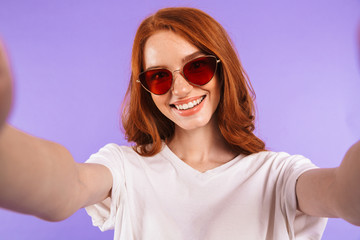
pixel 5 85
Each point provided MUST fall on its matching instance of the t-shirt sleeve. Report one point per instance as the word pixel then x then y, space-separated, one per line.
pixel 104 213
pixel 301 226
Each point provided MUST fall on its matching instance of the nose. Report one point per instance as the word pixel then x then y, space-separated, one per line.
pixel 181 87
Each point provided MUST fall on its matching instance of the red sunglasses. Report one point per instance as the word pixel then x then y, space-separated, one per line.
pixel 198 72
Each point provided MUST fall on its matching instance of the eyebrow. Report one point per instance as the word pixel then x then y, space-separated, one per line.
pixel 184 60
pixel 191 56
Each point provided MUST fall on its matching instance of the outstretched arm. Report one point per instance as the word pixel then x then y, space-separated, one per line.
pixel 40 177
pixel 333 192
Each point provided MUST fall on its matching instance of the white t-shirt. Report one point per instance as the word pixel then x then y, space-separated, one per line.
pixel 163 198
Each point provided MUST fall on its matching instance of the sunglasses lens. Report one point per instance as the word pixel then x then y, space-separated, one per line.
pixel 157 81
pixel 201 70
pixel 198 72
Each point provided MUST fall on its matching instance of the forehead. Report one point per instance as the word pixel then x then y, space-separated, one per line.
pixel 166 48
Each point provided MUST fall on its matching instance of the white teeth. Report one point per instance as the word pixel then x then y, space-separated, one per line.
pixel 192 104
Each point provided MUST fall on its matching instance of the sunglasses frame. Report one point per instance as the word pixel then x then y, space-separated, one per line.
pixel 181 71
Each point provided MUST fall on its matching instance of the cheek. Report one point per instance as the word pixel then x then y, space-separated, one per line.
pixel 155 100
pixel 160 101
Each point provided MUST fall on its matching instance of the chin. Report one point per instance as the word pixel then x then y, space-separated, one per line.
pixel 193 123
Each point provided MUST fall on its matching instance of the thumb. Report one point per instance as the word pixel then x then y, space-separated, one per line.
pixel 5 85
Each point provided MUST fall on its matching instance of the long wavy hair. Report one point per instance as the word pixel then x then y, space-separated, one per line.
pixel 147 127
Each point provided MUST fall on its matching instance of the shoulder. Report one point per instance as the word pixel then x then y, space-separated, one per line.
pixel 113 148
pixel 276 156
pixel 112 152
pixel 280 161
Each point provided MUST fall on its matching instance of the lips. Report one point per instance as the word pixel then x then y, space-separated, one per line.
pixel 188 104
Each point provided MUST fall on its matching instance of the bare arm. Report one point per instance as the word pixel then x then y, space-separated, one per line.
pixel 40 177
pixel 333 192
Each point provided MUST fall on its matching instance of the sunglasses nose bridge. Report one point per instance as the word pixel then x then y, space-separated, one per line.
pixel 180 86
pixel 180 72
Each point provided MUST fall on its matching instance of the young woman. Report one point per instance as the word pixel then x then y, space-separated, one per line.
pixel 196 170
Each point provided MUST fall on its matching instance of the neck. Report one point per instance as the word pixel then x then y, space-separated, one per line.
pixel 203 146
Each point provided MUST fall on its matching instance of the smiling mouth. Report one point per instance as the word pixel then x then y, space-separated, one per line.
pixel 189 105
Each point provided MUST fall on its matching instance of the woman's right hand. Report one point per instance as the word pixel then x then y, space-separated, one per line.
pixel 5 86
pixel 42 169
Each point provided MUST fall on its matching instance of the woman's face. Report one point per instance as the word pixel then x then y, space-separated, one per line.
pixel 168 50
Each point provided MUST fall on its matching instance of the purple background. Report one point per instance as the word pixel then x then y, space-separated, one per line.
pixel 71 61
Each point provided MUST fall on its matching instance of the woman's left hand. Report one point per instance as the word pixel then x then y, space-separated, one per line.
pixel 5 86
pixel 333 192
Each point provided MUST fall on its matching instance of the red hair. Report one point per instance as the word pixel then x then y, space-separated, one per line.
pixel 145 125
